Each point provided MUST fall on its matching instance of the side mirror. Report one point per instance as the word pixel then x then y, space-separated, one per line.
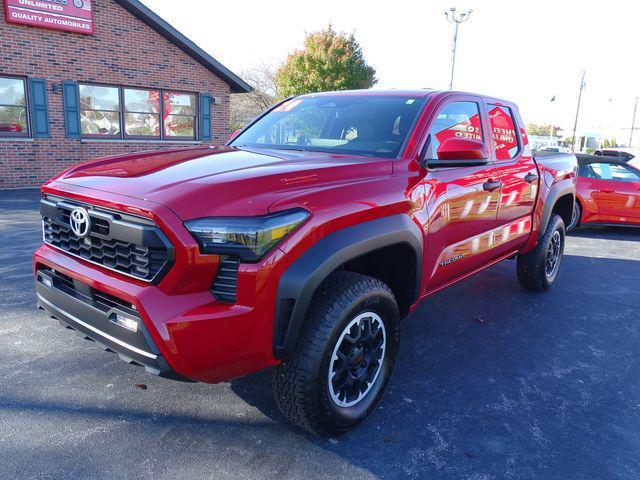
pixel 461 149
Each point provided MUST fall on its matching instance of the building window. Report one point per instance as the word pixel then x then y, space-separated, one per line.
pixel 141 113
pixel 179 115
pixel 99 111
pixel 13 107
pixel 145 113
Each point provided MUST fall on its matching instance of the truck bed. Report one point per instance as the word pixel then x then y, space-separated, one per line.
pixel 558 164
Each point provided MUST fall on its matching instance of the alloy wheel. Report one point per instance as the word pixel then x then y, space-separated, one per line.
pixel 552 261
pixel 357 359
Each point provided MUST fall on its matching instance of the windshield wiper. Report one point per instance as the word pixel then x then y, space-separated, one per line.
pixel 295 149
pixel 284 147
pixel 272 147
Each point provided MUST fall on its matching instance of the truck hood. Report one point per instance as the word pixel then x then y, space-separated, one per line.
pixel 199 182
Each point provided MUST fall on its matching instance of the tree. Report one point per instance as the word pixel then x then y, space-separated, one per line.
pixel 246 106
pixel 328 61
pixel 542 130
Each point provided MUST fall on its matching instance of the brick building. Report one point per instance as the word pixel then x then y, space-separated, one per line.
pixel 81 79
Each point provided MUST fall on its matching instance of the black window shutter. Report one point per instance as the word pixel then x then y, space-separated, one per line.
pixel 39 109
pixel 205 116
pixel 71 108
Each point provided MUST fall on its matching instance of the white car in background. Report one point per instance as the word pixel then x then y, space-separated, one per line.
pixel 554 149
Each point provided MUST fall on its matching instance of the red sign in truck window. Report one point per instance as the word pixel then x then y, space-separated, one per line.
pixel 67 15
pixel 463 121
pixel 457 120
pixel 468 128
pixel 504 132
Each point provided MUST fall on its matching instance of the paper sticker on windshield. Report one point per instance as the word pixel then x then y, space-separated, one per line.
pixel 288 105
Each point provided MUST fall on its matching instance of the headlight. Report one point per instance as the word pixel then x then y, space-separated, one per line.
pixel 250 238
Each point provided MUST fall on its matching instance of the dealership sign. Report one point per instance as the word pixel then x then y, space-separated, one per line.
pixel 67 15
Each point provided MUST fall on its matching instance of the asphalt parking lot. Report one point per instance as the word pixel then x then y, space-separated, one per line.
pixel 493 382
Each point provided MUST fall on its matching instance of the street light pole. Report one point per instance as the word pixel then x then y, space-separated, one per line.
pixel 457 19
pixel 633 121
pixel 575 124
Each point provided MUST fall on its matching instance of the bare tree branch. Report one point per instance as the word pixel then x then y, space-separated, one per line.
pixel 246 106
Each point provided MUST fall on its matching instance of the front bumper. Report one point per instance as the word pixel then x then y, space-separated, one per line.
pixel 183 336
pixel 77 307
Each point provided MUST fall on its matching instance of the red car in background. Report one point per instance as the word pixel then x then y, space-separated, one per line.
pixel 608 192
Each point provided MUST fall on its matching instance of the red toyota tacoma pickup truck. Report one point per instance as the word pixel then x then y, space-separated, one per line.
pixel 302 243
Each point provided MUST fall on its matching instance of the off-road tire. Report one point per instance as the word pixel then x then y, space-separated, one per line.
pixel 531 266
pixel 301 382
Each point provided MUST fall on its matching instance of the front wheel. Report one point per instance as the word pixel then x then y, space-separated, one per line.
pixel 539 268
pixel 343 361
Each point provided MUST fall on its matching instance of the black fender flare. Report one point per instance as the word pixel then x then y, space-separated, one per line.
pixel 558 190
pixel 299 282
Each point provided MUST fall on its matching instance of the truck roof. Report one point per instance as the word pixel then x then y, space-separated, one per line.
pixel 423 92
pixel 416 92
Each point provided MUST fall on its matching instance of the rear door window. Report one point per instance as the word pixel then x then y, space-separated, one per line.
pixel 504 132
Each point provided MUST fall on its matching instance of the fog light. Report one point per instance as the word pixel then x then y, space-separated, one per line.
pixel 124 322
pixel 46 282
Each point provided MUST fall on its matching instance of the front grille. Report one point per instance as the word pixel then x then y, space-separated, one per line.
pixel 127 244
pixel 92 296
pixel 65 280
pixel 106 302
pixel 225 286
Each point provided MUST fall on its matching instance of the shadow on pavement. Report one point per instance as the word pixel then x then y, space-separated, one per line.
pixel 608 233
pixel 496 380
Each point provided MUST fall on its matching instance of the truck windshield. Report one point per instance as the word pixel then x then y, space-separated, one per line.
pixel 344 124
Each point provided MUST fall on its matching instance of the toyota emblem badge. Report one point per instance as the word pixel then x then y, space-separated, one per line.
pixel 80 222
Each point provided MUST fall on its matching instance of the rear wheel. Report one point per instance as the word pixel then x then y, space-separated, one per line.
pixel 344 359
pixel 539 268
pixel 575 217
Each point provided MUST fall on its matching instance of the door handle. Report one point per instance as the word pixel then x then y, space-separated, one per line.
pixel 491 185
pixel 530 177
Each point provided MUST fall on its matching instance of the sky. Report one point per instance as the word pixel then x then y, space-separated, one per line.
pixel 525 51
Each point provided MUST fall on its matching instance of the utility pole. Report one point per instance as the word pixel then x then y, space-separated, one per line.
pixel 457 19
pixel 633 122
pixel 551 129
pixel 575 125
